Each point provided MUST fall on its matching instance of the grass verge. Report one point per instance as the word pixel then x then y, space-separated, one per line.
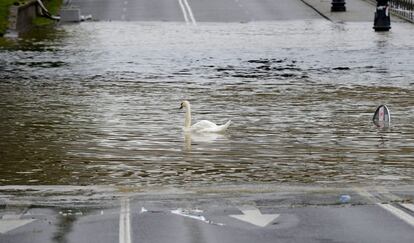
pixel 53 6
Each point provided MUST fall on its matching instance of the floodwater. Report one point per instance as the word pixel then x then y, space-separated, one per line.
pixel 97 104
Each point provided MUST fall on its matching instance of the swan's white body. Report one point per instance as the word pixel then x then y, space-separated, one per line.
pixel 203 126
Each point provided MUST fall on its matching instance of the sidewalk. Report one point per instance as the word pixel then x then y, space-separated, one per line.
pixel 356 11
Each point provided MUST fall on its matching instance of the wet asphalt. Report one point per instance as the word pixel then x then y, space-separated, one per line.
pixel 284 215
pixel 372 215
pixel 202 11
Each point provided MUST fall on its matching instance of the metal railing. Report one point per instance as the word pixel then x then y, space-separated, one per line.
pixel 403 8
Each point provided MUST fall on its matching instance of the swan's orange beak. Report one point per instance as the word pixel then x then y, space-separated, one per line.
pixel 181 106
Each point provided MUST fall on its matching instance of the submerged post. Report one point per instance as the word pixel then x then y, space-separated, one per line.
pixel 338 6
pixel 382 117
pixel 382 20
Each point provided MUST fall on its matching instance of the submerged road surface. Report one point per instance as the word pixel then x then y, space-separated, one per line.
pixel 97 103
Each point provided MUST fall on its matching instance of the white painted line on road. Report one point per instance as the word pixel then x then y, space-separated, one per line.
pixel 183 10
pixel 398 212
pixel 125 222
pixel 255 217
pixel 366 194
pixel 11 222
pixel 190 12
pixel 408 206
pixel 124 10
pixel 388 207
pixel 187 12
pixel 388 194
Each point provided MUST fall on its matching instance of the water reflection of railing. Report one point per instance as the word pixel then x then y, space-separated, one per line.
pixel 403 8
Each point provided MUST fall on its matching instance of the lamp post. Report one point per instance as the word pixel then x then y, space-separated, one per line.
pixel 382 21
pixel 338 6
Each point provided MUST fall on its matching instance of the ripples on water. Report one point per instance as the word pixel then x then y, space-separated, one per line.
pixel 97 103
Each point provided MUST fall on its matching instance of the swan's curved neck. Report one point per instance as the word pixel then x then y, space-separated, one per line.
pixel 187 122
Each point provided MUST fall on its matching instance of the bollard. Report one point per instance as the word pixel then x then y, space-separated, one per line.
pixel 382 21
pixel 338 6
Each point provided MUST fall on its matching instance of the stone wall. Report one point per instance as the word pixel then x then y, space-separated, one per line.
pixel 21 17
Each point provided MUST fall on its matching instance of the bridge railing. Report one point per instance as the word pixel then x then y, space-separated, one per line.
pixel 403 8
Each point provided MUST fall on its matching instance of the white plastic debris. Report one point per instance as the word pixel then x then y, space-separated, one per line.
pixel 345 198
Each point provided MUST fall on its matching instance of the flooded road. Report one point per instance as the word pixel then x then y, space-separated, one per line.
pixel 97 104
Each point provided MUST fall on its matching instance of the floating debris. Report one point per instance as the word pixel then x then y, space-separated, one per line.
pixel 345 198
pixel 194 214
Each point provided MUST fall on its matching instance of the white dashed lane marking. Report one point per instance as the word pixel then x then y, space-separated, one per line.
pixel 125 222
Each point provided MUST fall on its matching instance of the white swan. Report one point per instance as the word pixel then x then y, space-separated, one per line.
pixel 203 126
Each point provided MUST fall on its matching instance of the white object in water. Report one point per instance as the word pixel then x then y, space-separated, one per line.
pixel 382 116
pixel 345 198
pixel 203 126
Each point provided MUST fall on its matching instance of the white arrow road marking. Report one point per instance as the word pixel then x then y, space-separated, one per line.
pixel 11 222
pixel 255 217
pixel 125 222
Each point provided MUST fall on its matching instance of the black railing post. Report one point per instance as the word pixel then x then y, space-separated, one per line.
pixel 382 21
pixel 338 6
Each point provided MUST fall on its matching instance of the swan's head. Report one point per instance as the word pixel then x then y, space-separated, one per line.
pixel 184 104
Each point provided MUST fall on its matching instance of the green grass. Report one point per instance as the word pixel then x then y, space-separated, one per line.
pixel 4 14
pixel 53 6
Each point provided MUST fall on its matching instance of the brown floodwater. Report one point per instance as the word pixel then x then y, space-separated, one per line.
pixel 97 104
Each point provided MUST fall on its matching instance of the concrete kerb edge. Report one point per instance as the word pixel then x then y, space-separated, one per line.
pixel 316 10
pixel 14 12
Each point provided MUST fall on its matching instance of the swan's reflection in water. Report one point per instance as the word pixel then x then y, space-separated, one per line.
pixel 189 138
